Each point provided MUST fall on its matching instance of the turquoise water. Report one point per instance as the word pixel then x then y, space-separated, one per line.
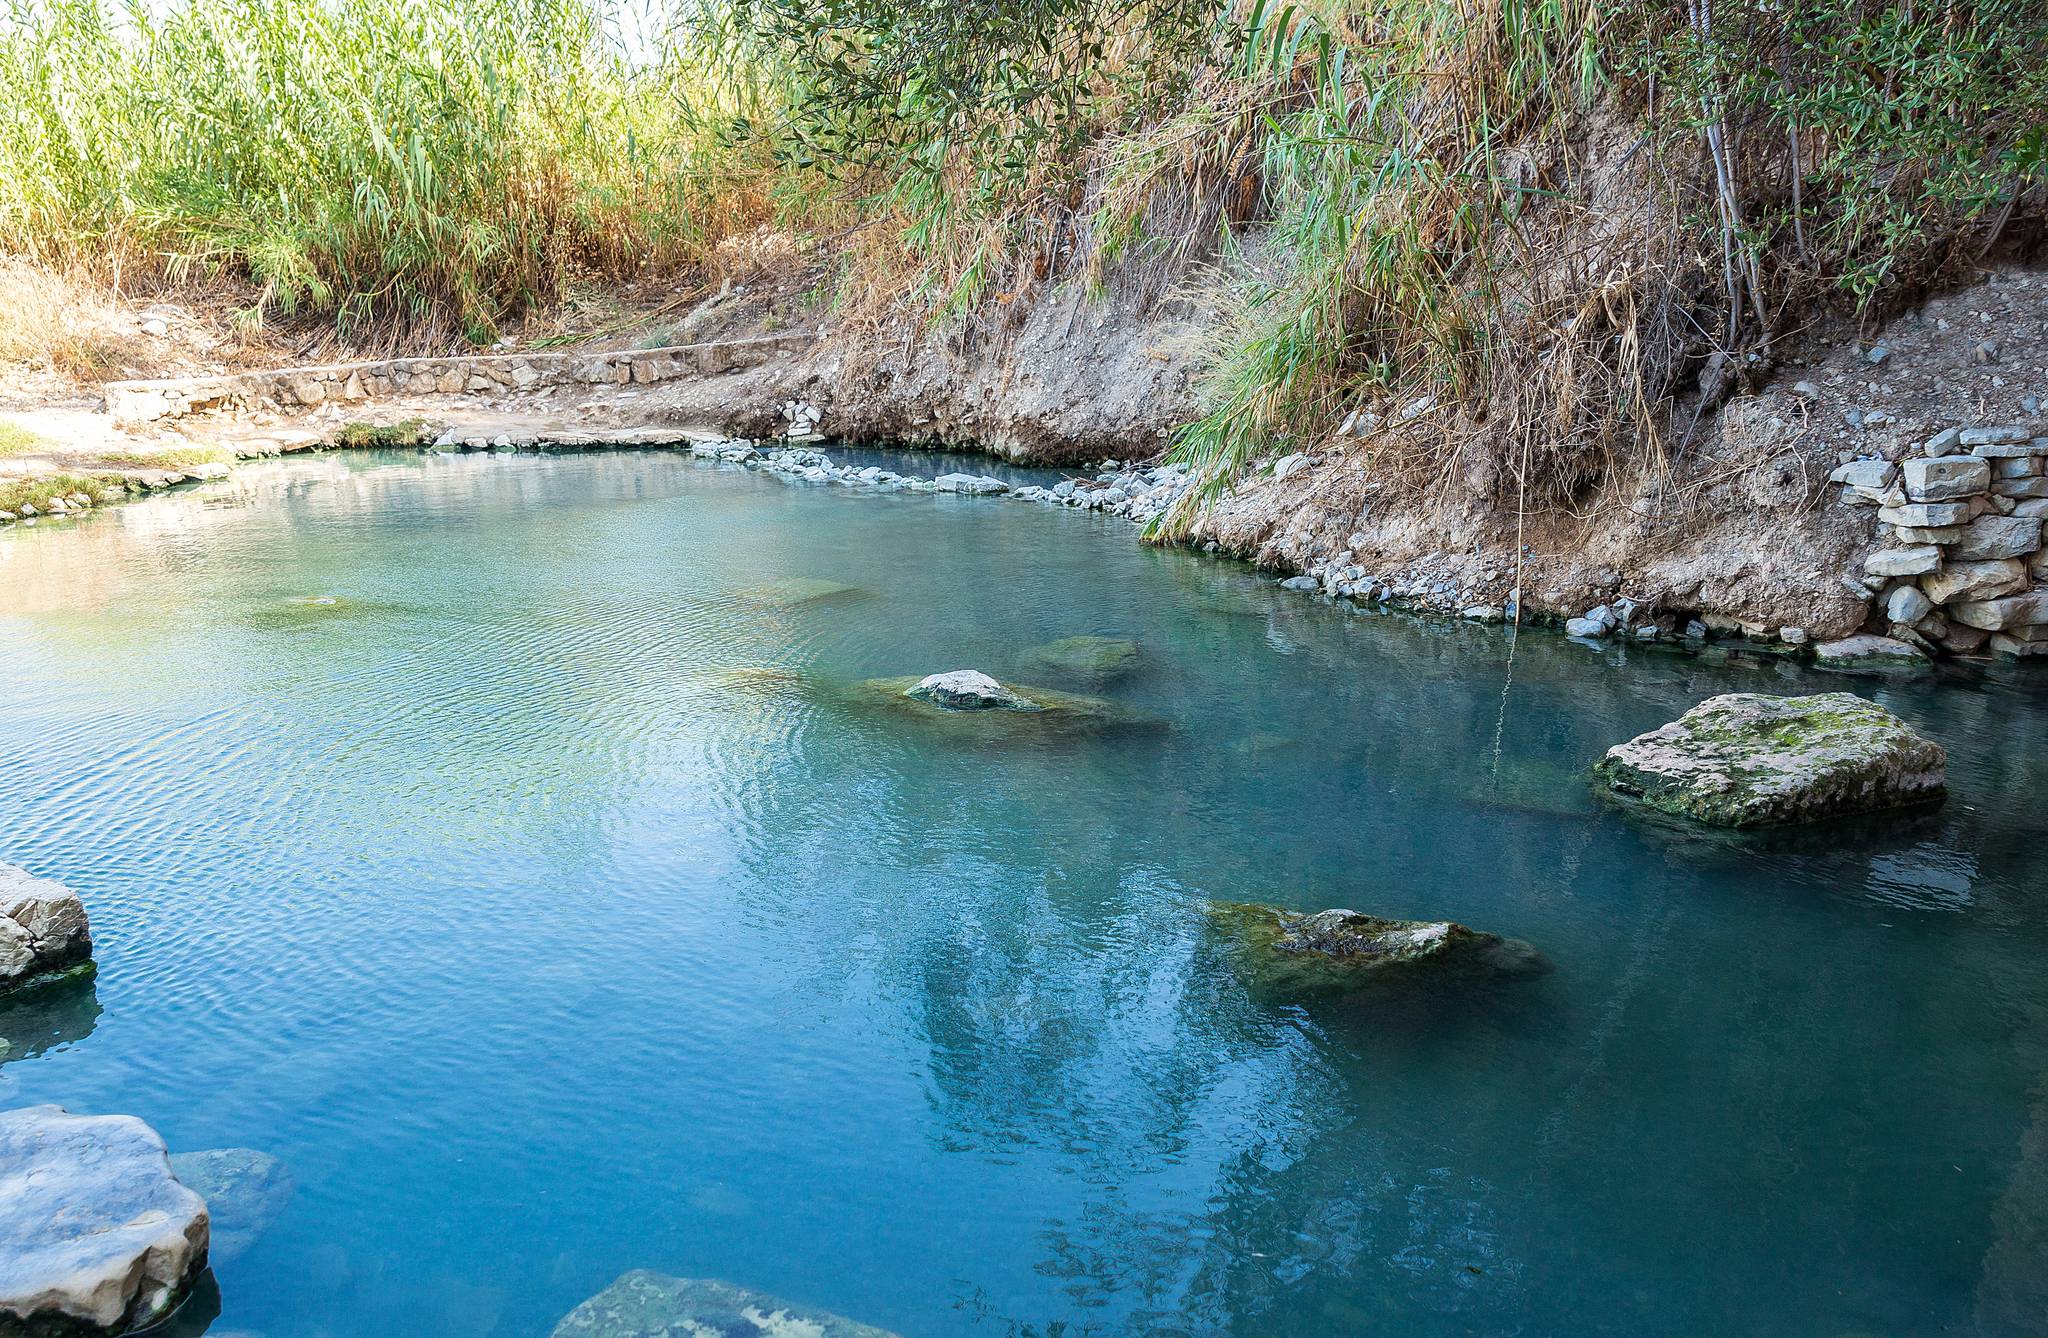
pixel 544 934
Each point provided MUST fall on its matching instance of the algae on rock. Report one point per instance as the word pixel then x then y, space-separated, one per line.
pixel 1320 951
pixel 1752 760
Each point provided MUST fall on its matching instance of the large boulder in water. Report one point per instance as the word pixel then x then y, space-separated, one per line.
pixel 244 1190
pixel 43 931
pixel 1339 949
pixel 96 1233
pixel 650 1305
pixel 1752 760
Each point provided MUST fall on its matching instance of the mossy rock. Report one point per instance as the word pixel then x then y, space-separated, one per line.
pixel 798 591
pixel 1090 660
pixel 1309 952
pixel 1041 712
pixel 1753 760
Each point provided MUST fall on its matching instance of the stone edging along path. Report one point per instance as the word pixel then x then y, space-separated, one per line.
pixel 137 403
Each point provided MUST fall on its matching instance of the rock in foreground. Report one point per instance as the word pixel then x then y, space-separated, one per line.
pixel 968 690
pixel 1338 949
pixel 96 1234
pixel 650 1305
pixel 43 931
pixel 1753 760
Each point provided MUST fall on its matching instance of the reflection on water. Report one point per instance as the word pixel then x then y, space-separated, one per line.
pixel 47 1017
pixel 554 905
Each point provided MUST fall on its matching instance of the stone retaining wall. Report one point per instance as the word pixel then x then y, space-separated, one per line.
pixel 132 403
pixel 1965 570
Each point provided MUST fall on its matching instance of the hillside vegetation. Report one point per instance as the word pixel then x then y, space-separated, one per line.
pixel 1534 225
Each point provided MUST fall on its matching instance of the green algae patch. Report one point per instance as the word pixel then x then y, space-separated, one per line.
pixel 1089 660
pixel 1319 952
pixel 1754 760
pixel 56 978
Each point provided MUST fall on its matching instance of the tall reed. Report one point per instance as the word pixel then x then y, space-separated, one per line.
pixel 444 162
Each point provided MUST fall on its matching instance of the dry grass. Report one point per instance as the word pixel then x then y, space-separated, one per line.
pixel 67 323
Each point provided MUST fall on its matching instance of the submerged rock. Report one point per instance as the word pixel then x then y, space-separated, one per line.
pixel 44 936
pixel 244 1190
pixel 1340 949
pixel 96 1234
pixel 967 690
pixel 1044 713
pixel 796 591
pixel 642 1304
pixel 1091 659
pixel 1751 760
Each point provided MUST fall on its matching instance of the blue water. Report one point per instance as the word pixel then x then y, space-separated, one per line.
pixel 544 935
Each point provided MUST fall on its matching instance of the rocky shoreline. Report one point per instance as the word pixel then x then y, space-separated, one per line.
pixel 1948 576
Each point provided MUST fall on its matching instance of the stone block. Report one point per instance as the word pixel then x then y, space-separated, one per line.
pixel 1864 474
pixel 1943 442
pixel 1996 615
pixel 2021 488
pixel 1973 437
pixel 1947 479
pixel 1997 537
pixel 2018 448
pixel 1903 561
pixel 1944 534
pixel 1926 515
pixel 1975 580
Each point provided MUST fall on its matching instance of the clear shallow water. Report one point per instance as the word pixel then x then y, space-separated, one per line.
pixel 542 945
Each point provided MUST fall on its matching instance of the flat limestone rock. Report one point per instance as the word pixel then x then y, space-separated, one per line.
pixel 1753 760
pixel 244 1190
pixel 96 1234
pixel 1094 660
pixel 651 1305
pixel 43 931
pixel 798 591
pixel 1338 949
